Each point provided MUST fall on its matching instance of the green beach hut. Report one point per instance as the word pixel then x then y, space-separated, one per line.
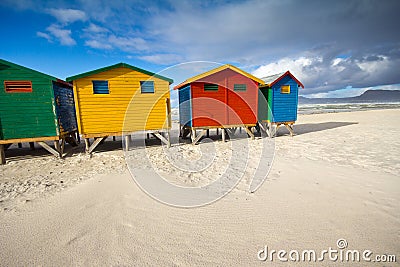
pixel 34 107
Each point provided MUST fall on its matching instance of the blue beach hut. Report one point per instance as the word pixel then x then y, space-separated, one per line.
pixel 281 93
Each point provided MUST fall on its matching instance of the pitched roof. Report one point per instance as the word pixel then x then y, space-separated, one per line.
pixel 273 79
pixel 118 65
pixel 210 72
pixel 10 64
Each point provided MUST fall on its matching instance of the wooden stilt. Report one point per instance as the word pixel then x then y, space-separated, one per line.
pixel 49 148
pixel 32 145
pixel 96 142
pixel 57 148
pixel 262 127
pixel 185 132
pixel 290 129
pixel 78 137
pixel 250 133
pixel 193 135
pixel 114 138
pixel 127 141
pixel 231 131
pixel 2 155
pixel 87 145
pixel 199 136
pixel 62 147
pixel 162 138
pixel 223 134
pixel 208 133
pixel 269 130
pixel 217 131
pixel 19 145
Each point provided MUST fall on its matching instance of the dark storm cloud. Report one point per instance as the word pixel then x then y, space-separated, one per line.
pixel 328 44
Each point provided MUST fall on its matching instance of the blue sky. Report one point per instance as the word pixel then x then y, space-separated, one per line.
pixel 336 48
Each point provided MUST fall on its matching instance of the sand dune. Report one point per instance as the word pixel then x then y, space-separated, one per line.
pixel 338 178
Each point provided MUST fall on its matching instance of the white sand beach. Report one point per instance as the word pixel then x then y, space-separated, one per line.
pixel 339 177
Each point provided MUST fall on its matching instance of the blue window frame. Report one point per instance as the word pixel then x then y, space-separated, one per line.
pixel 100 87
pixel 147 87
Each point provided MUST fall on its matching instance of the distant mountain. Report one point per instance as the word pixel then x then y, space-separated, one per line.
pixel 369 96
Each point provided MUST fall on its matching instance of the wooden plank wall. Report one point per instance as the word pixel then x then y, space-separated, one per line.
pixel 284 106
pixel 26 114
pixel 105 113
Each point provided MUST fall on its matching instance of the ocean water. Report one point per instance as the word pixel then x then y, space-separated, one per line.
pixel 326 108
pixel 344 107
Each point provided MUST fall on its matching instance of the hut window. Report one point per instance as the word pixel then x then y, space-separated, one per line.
pixel 100 87
pixel 18 86
pixel 147 87
pixel 285 89
pixel 239 87
pixel 210 87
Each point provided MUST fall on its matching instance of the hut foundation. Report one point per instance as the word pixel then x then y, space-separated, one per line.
pixel 205 131
pixel 2 155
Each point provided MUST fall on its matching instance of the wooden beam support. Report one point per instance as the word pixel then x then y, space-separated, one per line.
pixel 57 148
pixel 96 142
pixel 263 127
pixel 193 135
pixel 27 140
pixel 127 141
pixel 199 136
pixel 250 133
pixel 232 130
pixel 223 134
pixel 2 155
pixel 87 145
pixel 162 138
pixel 78 137
pixel 290 129
pixel 62 147
pixel 49 148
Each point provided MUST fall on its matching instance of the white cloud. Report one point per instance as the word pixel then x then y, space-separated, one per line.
pixel 163 59
pixel 128 44
pixel 45 36
pixel 295 66
pixel 93 28
pixel 63 35
pixel 67 15
pixel 97 44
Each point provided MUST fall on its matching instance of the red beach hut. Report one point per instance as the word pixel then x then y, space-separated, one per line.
pixel 225 97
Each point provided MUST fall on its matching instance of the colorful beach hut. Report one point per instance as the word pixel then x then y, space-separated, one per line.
pixel 225 97
pixel 34 107
pixel 120 99
pixel 281 93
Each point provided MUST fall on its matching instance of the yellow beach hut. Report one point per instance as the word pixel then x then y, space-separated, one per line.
pixel 121 99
